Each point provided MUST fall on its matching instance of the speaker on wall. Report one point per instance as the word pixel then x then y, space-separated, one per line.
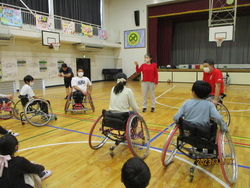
pixel 137 17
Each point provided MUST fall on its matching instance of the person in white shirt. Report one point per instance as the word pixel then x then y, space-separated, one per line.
pixel 27 91
pixel 81 86
pixel 121 97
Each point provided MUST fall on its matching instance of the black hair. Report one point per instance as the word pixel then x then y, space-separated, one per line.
pixel 64 65
pixel 8 144
pixel 209 61
pixel 120 85
pixel 202 89
pixel 135 173
pixel 150 56
pixel 80 68
pixel 28 78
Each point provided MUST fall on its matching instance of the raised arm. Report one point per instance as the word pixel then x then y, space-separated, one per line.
pixel 137 68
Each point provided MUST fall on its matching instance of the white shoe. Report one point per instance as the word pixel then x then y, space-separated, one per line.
pixel 9 131
pixel 47 173
pixel 14 134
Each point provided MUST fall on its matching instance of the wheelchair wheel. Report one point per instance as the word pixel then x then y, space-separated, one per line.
pixel 90 101
pixel 137 136
pixel 6 109
pixel 223 111
pixel 227 158
pixel 18 108
pixel 35 112
pixel 169 148
pixel 96 137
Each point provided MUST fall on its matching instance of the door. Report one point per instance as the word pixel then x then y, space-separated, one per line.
pixel 85 63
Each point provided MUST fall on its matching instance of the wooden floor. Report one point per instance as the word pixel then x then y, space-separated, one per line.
pixel 62 145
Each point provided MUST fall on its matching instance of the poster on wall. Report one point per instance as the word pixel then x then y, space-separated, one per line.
pixel 0 71
pixel 43 66
pixel 87 30
pixel 103 34
pixel 68 27
pixel 134 38
pixel 9 69
pixel 53 69
pixel 33 69
pixel 1 12
pixel 11 17
pixel 43 22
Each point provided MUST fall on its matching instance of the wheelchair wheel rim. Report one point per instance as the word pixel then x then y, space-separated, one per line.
pixel 227 155
pixel 35 115
pixel 6 110
pixel 169 148
pixel 96 138
pixel 137 136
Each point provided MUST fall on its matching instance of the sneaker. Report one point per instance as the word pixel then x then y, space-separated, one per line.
pixel 14 134
pixel 46 174
pixel 144 109
pixel 66 97
pixel 152 109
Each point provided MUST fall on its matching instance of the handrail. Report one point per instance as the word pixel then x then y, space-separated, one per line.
pixel 113 34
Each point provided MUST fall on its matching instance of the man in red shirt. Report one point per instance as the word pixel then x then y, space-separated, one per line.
pixel 214 77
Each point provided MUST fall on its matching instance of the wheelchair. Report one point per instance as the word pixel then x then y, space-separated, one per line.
pixel 37 112
pixel 120 128
pixel 205 145
pixel 85 104
pixel 222 109
pixel 6 108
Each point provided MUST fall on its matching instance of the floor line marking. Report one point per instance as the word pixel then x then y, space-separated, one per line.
pixel 157 150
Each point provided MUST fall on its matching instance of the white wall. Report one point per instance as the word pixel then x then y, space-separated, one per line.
pixel 33 50
pixel 119 14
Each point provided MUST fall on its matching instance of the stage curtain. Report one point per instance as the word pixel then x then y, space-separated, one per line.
pixel 191 45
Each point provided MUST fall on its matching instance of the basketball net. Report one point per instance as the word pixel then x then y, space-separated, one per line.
pixel 219 41
pixel 56 46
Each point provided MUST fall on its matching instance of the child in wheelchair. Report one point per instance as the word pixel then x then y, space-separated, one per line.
pixel 122 98
pixel 198 112
pixel 27 94
pixel 81 84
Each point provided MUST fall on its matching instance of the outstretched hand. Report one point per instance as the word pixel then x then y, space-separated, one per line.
pixel 136 63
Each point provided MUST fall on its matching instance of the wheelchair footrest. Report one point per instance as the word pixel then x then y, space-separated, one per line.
pixel 78 106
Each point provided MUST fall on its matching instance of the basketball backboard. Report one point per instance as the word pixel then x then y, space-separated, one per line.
pixel 49 37
pixel 225 32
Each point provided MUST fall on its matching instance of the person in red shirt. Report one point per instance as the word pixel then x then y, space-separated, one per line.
pixel 149 80
pixel 214 77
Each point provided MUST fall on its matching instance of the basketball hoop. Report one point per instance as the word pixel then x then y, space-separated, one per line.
pixel 219 41
pixel 55 46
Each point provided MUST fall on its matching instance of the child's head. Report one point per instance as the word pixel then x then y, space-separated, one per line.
pixel 27 79
pixel 135 173
pixel 80 71
pixel 8 145
pixel 121 80
pixel 148 58
pixel 201 89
